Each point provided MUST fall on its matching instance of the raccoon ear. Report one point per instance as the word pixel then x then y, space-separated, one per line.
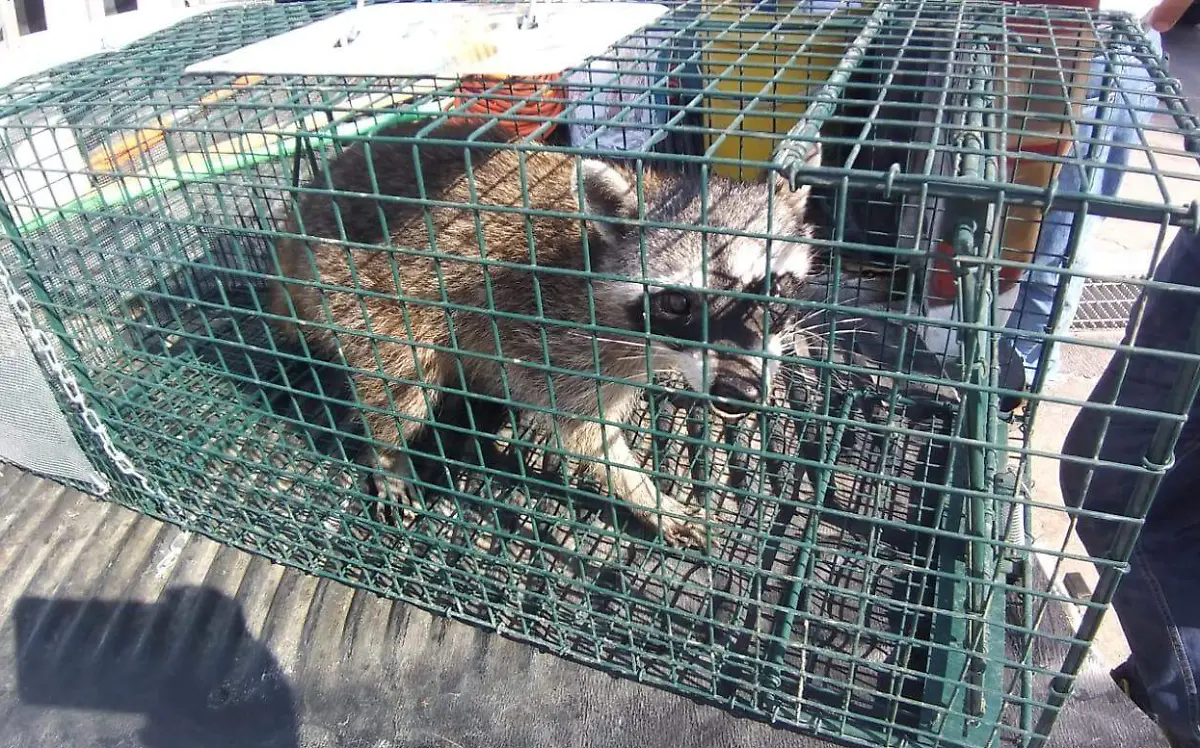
pixel 605 193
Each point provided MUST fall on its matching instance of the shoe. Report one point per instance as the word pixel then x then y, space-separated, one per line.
pixel 1126 677
pixel 1010 405
pixel 1016 404
pixel 1013 405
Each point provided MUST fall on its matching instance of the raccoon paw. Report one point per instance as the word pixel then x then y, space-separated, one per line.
pixel 391 507
pixel 682 534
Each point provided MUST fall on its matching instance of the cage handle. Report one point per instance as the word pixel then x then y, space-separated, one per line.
pixel 798 145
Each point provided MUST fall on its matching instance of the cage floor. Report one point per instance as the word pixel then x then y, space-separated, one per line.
pixel 116 629
pixel 195 397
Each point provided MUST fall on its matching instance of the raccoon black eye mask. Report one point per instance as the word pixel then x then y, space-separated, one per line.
pixel 402 333
pixel 736 382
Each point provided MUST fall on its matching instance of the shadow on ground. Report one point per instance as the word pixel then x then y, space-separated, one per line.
pixel 141 661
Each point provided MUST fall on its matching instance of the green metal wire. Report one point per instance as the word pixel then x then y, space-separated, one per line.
pixel 858 578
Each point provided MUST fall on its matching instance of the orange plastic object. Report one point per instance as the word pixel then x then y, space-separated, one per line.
pixel 941 276
pixel 1042 94
pixel 490 96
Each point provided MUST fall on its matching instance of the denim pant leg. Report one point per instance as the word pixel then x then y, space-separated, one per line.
pixel 1035 298
pixel 1158 600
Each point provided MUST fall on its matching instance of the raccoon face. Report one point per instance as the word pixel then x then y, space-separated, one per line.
pixel 696 280
pixel 720 341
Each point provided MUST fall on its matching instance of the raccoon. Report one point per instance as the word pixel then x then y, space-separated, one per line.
pixel 452 202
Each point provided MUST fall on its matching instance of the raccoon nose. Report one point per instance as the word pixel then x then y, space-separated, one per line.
pixel 735 396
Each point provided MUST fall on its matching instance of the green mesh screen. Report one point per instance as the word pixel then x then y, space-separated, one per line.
pixel 861 547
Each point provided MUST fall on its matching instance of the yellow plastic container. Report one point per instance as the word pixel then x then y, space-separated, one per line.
pixel 745 55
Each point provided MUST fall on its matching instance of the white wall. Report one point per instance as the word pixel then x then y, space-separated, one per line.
pixel 78 28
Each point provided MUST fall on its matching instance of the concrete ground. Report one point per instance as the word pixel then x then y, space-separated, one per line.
pixel 1125 249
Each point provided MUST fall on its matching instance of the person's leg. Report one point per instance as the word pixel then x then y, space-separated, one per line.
pixel 1021 354
pixel 1158 599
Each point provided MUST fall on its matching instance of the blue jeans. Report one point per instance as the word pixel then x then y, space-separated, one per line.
pixel 1021 355
pixel 1158 599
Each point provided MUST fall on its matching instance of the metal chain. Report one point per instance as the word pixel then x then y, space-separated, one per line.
pixel 69 386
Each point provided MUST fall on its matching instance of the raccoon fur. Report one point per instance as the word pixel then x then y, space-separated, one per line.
pixel 457 212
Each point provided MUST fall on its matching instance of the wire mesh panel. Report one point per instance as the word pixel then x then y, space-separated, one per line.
pixel 684 362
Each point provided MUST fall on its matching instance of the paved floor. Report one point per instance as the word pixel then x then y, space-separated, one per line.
pixel 1124 248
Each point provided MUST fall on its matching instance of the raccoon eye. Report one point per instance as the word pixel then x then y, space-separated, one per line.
pixel 780 312
pixel 675 303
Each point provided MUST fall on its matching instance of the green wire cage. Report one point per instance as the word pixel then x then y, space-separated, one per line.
pixel 857 555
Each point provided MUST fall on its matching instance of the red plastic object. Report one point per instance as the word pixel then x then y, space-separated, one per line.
pixel 490 96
